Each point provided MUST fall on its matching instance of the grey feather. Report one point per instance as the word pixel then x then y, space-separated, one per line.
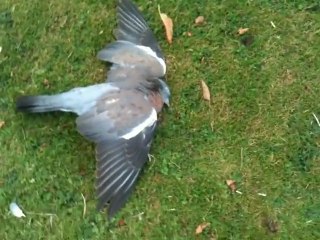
pixel 116 178
pixel 125 53
pixel 133 28
pixel 114 115
pixel 77 100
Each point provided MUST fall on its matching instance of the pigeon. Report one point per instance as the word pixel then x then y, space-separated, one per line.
pixel 119 116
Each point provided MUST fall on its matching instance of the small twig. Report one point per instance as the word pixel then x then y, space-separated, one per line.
pixel 139 215
pixel 262 194
pixel 51 221
pixel 211 125
pixel 172 210
pixel 175 165
pixel 70 54
pixel 272 24
pixel 84 206
pixel 42 214
pixel 151 159
pixel 317 120
pixel 241 158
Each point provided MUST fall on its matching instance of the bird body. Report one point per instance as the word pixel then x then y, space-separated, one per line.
pixel 119 115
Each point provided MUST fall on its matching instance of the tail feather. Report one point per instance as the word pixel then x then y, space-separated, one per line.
pixel 77 100
pixel 36 104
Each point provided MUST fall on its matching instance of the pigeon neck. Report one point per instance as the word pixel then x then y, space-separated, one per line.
pixel 156 101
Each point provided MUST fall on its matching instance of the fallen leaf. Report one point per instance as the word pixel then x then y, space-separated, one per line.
pixel 46 82
pixel 232 185
pixel 271 225
pixel 168 25
pixel 2 123
pixel 156 204
pixel 205 91
pixel 16 210
pixel 43 147
pixel 242 31
pixel 63 21
pixel 201 227
pixel 121 223
pixel 199 20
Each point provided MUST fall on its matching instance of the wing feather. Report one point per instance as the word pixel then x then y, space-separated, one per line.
pixel 123 133
pixel 117 178
pixel 133 28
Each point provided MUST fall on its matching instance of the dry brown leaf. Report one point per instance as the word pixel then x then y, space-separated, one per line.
pixel 2 123
pixel 201 227
pixel 199 20
pixel 168 25
pixel 43 147
pixel 271 224
pixel 232 185
pixel 205 91
pixel 46 83
pixel 242 31
pixel 121 223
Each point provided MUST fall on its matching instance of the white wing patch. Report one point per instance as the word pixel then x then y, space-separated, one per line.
pixel 146 123
pixel 153 54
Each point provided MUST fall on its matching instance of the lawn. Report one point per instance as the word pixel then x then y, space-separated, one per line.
pixel 259 129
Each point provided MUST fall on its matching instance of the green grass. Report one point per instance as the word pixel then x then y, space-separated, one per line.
pixel 258 129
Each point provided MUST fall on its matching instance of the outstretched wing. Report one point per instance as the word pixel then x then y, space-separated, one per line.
pixel 133 28
pixel 119 162
pixel 122 124
pixel 134 58
pixel 136 48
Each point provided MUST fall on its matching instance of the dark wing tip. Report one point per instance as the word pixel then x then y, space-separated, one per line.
pixel 119 202
pixel 118 194
pixel 117 172
pixel 132 27
pixel 131 24
pixel 119 163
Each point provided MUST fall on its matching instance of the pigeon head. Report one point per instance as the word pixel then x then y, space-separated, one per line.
pixel 156 85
